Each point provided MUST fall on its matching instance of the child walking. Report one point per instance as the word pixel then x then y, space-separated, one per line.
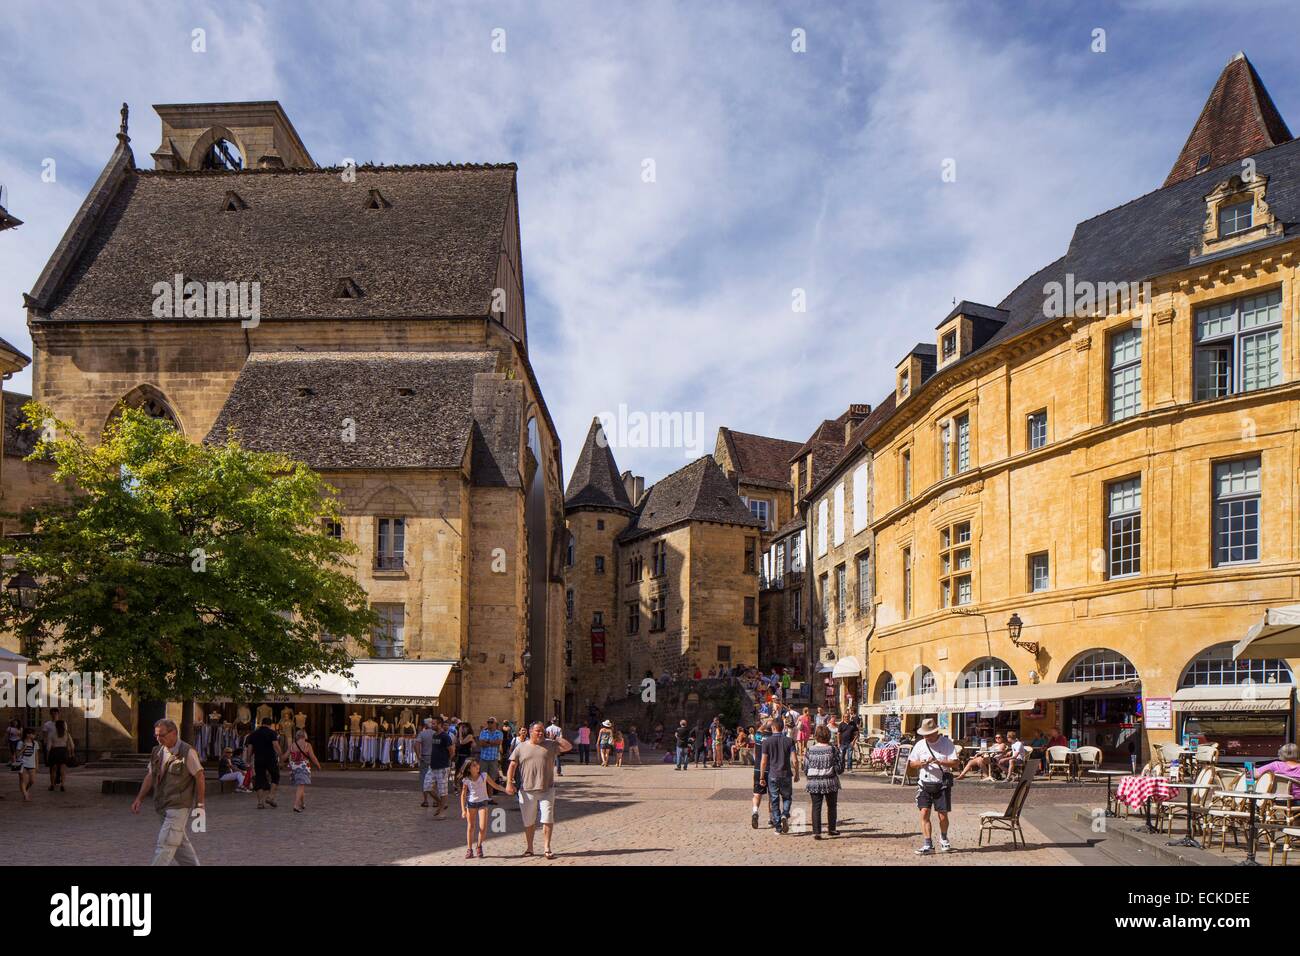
pixel 27 763
pixel 475 789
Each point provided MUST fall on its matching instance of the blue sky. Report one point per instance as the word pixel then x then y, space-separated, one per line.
pixel 774 170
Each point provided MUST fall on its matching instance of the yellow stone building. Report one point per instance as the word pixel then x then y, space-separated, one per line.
pixel 1106 463
pixel 367 320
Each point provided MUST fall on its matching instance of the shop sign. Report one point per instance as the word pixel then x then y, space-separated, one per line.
pixel 796 647
pixel 1159 713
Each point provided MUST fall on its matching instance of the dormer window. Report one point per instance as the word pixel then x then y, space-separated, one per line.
pixel 904 384
pixel 234 202
pixel 405 392
pixel 950 345
pixel 1203 163
pixel 376 200
pixel 1236 218
pixel 346 288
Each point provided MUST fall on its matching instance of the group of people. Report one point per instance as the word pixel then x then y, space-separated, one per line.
pixel 54 747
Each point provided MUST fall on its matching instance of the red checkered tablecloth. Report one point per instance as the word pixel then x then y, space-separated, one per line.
pixel 885 754
pixel 1135 791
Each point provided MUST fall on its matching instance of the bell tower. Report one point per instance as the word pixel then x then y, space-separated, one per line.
pixel 228 136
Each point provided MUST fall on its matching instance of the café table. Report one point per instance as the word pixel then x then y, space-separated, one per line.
pixel 1252 797
pixel 1135 790
pixel 1109 775
pixel 1187 840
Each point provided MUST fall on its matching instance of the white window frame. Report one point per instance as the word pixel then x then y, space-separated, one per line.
pixel 1238 327
pixel 1124 377
pixel 1124 517
pixel 1238 502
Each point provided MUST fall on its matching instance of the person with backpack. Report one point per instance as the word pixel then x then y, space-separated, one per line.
pixel 933 756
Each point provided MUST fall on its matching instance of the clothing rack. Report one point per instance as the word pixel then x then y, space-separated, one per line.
pixel 388 751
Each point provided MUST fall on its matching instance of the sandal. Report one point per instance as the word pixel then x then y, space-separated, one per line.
pixel 527 853
pixel 469 854
pixel 549 855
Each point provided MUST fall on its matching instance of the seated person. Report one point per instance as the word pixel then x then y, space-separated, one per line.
pixel 1017 749
pixel 986 761
pixel 1286 765
pixel 226 769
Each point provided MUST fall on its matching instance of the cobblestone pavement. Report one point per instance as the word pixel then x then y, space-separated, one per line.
pixel 647 814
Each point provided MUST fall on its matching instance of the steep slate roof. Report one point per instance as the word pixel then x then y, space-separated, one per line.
pixel 432 251
pixel 698 492
pixel 760 460
pixel 791 526
pixel 296 403
pixel 1238 119
pixel 595 482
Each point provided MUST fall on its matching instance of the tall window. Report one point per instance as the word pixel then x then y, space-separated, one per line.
pixel 1124 527
pixel 824 585
pixel 334 529
pixel 955 565
pixel 1236 218
pixel 907 582
pixel 945 447
pixel 963 443
pixel 600 564
pixel 796 608
pixel 864 582
pixel 659 558
pixel 391 544
pixel 796 553
pixel 1038 429
pixel 634 617
pixel 1038 572
pixel 568 604
pixel 658 606
pixel 1125 374
pixel 568 553
pixel 907 475
pixel 841 593
pixel 635 568
pixel 888 689
pixel 779 565
pixel 1236 511
pixel 387 636
pixel 1239 345
pixel 749 611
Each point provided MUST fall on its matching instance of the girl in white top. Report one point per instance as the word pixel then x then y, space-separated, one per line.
pixel 27 751
pixel 475 789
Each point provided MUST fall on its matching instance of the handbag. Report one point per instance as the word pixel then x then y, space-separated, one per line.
pixel 73 760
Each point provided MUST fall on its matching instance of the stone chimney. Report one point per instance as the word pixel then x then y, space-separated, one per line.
pixel 634 485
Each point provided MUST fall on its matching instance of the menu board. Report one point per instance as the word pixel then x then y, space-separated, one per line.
pixel 1159 713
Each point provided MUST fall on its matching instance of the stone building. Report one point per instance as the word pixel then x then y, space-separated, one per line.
pixel 369 320
pixel 1094 494
pixel 663 585
pixel 759 468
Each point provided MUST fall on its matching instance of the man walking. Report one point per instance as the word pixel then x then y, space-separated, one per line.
pixel 435 751
pixel 555 732
pixel 489 749
pixel 175 776
pixel 682 736
pixel 779 774
pixel 262 750
pixel 534 760
pixel 932 756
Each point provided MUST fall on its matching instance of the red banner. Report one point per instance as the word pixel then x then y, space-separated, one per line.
pixel 598 645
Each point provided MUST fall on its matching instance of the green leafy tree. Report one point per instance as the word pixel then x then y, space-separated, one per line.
pixel 183 571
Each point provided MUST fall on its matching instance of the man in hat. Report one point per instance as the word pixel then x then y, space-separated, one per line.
pixel 932 756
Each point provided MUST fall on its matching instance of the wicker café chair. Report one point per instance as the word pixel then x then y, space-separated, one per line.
pixel 1230 813
pixel 1206 781
pixel 1058 758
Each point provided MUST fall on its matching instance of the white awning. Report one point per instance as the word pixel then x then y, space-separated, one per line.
pixel 386 682
pixel 1235 698
pixel 1277 635
pixel 10 662
pixel 960 700
pixel 847 667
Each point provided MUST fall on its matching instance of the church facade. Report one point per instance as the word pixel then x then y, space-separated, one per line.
pixel 367 320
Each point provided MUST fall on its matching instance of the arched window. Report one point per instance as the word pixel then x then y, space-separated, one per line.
pixel 888 689
pixel 987 672
pixel 1214 667
pixel 149 400
pixel 1102 665
pixel 924 681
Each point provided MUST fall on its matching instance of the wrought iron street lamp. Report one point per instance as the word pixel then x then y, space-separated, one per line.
pixel 1014 627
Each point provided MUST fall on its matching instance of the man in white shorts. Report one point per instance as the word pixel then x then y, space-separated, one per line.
pixel 534 760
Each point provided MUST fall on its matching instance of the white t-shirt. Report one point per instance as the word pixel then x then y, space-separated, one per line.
pixel 939 749
pixel 553 732
pixel 478 789
pixel 1018 749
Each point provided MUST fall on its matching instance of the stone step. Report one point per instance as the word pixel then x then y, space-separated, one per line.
pixel 1124 831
